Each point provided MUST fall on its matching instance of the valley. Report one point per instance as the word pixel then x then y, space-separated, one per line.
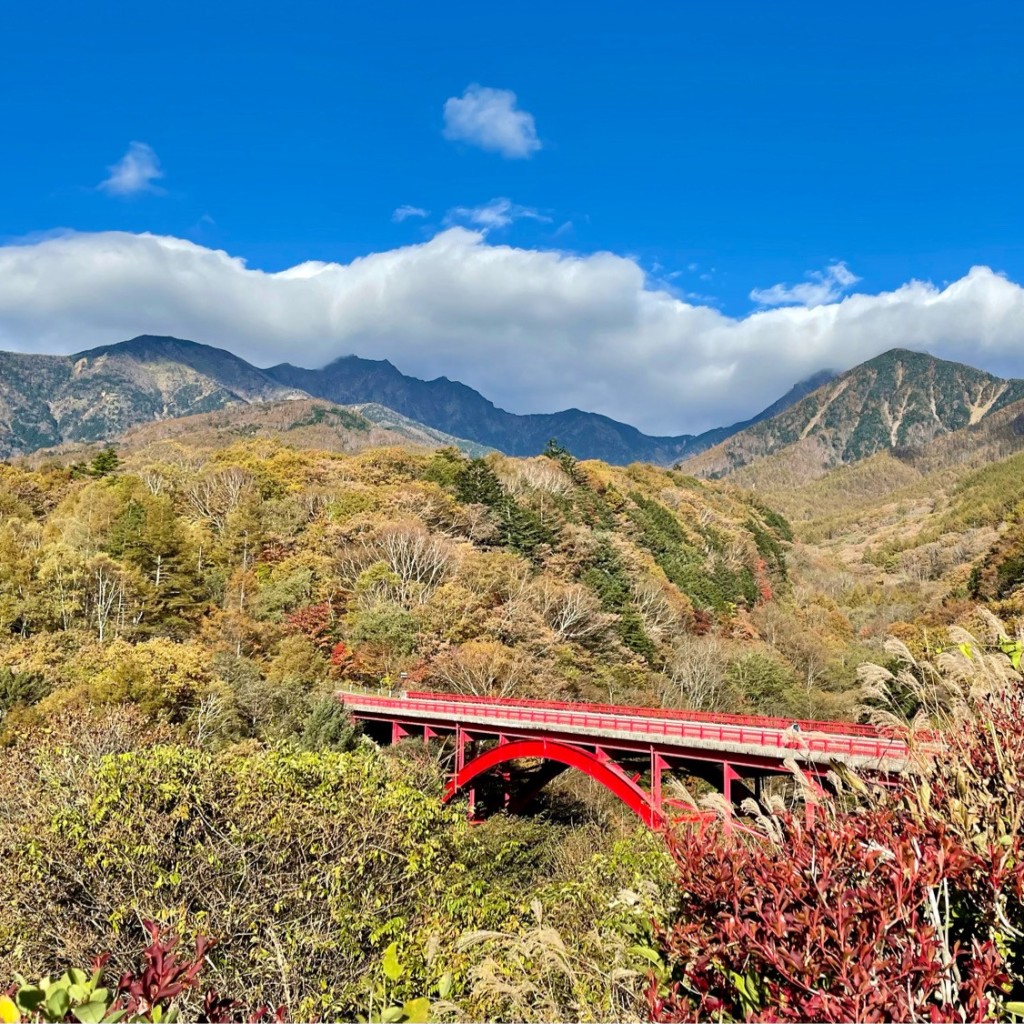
pixel 180 602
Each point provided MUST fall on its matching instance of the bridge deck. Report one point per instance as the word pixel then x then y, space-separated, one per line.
pixel 757 742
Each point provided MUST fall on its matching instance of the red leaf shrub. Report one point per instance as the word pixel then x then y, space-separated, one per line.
pixel 165 977
pixel 764 583
pixel 834 924
pixel 907 907
pixel 341 656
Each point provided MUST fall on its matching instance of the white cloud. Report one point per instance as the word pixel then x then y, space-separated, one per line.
pixel 135 172
pixel 405 212
pixel 820 287
pixel 535 331
pixel 498 213
pixel 490 119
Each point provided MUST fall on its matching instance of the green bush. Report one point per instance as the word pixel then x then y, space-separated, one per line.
pixel 305 866
pixel 384 625
pixel 21 688
pixel 767 683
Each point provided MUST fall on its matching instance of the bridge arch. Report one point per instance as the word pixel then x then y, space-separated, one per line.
pixel 607 773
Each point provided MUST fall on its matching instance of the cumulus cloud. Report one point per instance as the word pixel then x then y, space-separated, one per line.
pixel 135 172
pixel 490 119
pixel 534 330
pixel 405 212
pixel 498 213
pixel 820 287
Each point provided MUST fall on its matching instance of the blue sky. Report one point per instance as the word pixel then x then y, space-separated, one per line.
pixel 755 140
pixel 724 147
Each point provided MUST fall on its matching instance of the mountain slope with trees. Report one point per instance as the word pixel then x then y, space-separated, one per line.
pixel 898 401
pixel 545 577
pixel 299 422
pixel 96 395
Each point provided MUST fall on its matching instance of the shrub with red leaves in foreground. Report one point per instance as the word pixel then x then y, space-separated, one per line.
pixel 904 904
pixel 150 994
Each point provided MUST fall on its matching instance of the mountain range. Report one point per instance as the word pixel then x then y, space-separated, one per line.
pixel 459 410
pixel 95 395
pixel 898 401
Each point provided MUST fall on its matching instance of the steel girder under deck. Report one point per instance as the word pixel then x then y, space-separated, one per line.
pixel 613 767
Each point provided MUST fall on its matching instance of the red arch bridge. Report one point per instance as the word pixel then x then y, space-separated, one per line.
pixel 523 744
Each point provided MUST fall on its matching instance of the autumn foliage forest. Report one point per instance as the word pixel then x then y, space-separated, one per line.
pixel 174 622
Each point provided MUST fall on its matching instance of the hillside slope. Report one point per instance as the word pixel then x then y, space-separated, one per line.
pixel 546 577
pixel 900 400
pixel 304 423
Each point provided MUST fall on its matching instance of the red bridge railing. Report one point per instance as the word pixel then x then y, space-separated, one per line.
pixel 717 717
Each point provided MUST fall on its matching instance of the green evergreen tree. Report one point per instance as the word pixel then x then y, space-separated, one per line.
pixel 478 484
pixel 520 528
pixel 105 462
pixel 329 727
pixel 565 458
pixel 607 577
pixel 25 688
pixel 149 536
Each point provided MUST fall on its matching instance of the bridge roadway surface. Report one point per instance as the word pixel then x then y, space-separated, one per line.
pixel 758 744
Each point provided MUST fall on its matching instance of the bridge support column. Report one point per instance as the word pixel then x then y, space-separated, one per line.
pixel 464 740
pixel 398 732
pixel 506 778
pixel 428 735
pixel 658 765
pixel 729 775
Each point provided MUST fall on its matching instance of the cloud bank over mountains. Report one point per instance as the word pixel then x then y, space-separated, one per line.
pixel 533 330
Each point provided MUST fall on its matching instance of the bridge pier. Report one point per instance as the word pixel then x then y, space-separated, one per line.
pixel 728 774
pixel 658 765
pixel 506 779
pixel 464 742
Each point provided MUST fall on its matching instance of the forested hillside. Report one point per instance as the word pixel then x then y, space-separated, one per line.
pixel 228 575
pixel 299 422
pixel 908 541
